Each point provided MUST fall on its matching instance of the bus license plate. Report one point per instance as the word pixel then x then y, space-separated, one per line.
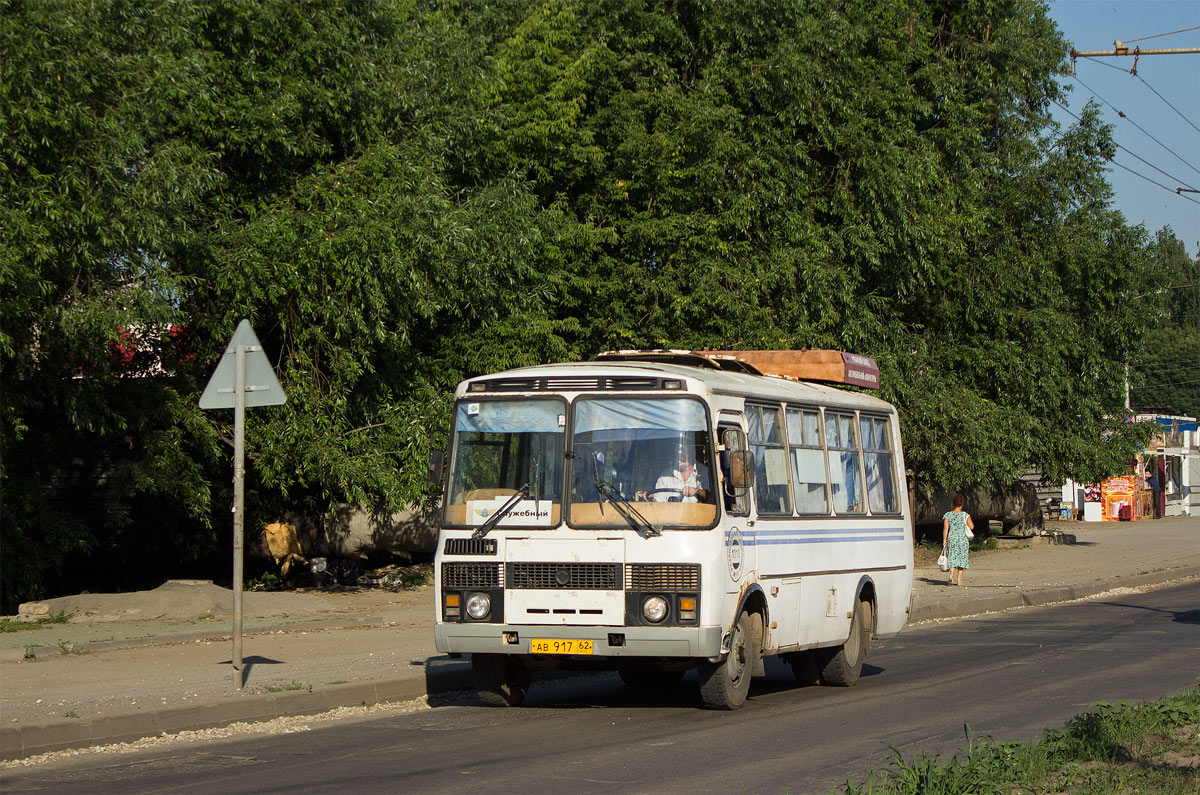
pixel 559 646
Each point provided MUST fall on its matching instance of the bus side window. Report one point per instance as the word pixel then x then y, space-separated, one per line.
pixel 737 500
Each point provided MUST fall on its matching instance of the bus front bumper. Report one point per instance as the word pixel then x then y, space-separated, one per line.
pixel 680 642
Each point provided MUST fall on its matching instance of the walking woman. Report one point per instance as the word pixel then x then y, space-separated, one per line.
pixel 954 539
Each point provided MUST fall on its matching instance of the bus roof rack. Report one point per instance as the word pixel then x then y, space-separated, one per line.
pixel 828 366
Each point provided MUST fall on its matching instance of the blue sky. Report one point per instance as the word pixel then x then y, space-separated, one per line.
pixel 1095 25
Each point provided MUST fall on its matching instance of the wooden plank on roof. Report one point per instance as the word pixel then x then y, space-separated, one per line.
pixel 834 367
pixel 813 364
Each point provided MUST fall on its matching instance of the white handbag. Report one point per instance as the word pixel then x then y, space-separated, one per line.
pixel 943 562
pixel 970 535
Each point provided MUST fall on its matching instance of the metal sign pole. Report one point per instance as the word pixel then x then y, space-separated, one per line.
pixel 244 378
pixel 239 506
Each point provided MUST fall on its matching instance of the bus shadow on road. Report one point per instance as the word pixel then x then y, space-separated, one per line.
pixel 592 690
pixel 1177 616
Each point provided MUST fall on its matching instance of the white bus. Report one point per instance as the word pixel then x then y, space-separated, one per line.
pixel 657 511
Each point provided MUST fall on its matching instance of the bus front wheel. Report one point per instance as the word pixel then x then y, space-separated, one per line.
pixel 502 680
pixel 725 684
pixel 841 666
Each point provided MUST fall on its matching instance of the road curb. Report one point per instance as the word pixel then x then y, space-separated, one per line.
pixel 441 675
pixel 1044 596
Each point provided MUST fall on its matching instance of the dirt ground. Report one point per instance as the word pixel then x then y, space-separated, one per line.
pixel 183 600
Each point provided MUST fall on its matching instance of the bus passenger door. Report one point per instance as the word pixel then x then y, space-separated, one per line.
pixel 740 550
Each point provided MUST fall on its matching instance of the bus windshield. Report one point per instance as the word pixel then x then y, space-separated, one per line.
pixel 503 448
pixel 651 454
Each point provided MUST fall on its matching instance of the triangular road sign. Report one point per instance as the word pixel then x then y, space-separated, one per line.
pixel 262 387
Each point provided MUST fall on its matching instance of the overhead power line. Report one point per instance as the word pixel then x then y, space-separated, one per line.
pixel 1152 89
pixel 1121 113
pixel 1160 35
pixel 1169 105
pixel 1074 53
pixel 1070 113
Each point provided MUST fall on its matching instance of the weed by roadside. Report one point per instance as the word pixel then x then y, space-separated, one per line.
pixel 67 647
pixel 280 687
pixel 1118 747
pixel 267 581
pixel 9 625
pixel 929 549
pixel 984 543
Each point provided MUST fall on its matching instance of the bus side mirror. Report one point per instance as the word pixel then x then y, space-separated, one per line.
pixel 741 469
pixel 437 460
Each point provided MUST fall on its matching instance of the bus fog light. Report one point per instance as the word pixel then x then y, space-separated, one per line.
pixel 479 605
pixel 654 608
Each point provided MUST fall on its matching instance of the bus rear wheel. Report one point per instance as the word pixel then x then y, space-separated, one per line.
pixel 841 666
pixel 502 680
pixel 725 684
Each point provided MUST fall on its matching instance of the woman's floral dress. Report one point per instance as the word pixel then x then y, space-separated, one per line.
pixel 957 545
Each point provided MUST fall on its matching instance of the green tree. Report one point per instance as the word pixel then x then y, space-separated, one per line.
pixel 1166 365
pixel 170 169
pixel 884 178
pixel 401 195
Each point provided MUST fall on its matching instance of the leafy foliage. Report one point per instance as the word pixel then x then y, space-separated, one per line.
pixel 1166 373
pixel 401 195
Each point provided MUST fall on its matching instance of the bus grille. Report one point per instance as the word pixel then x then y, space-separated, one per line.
pixel 663 577
pixel 470 546
pixel 565 576
pixel 471 575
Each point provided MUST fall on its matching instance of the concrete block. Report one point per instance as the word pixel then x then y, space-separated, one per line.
pixel 249 709
pixel 1053 538
pixel 107 729
pixel 10 742
pixel 55 736
pixel 300 702
pixel 31 611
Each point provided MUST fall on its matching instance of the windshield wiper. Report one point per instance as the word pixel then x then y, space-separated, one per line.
pixel 630 514
pixel 632 517
pixel 503 511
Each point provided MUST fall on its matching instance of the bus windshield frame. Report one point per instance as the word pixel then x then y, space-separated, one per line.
pixel 501 447
pixel 633 449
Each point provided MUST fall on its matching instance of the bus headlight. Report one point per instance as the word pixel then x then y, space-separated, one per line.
pixel 479 605
pixel 654 609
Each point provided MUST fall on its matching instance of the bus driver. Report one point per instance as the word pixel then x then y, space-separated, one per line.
pixel 687 482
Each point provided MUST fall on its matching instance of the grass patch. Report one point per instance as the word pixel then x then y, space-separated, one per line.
pixel 8 625
pixel 1118 747
pixel 983 543
pixel 67 647
pixel 267 581
pixel 280 687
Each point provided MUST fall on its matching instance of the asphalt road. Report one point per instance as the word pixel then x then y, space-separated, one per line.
pixel 1008 676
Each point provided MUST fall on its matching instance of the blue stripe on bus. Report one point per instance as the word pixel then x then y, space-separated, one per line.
pixel 758 542
pixel 816 530
pixel 822 535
